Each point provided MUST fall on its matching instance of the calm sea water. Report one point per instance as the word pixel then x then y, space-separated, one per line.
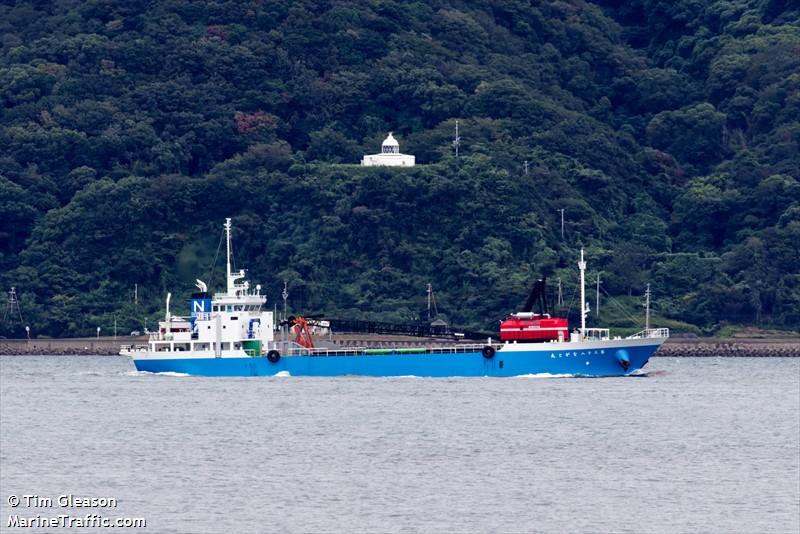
pixel 698 445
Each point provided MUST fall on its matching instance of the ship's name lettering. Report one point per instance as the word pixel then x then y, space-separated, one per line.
pixel 573 354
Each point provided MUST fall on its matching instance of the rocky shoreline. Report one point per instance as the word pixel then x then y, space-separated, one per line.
pixel 675 348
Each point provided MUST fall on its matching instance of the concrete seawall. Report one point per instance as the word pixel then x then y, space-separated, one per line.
pixel 676 347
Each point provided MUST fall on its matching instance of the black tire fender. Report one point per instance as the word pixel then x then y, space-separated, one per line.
pixel 488 352
pixel 274 356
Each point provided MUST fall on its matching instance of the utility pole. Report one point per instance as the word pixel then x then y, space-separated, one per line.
pixel 430 290
pixel 115 328
pixel 597 299
pixel 285 295
pixel 525 166
pixel 647 308
pixel 562 223
pixel 582 267
pixel 11 305
pixel 457 140
pixel 136 294
pixel 560 294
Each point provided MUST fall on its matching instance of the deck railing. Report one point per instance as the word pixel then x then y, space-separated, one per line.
pixel 595 334
pixel 651 333
pixel 363 351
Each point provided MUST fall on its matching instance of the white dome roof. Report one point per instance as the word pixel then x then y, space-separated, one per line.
pixel 390 141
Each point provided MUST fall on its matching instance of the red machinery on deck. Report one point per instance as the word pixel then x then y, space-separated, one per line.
pixel 300 328
pixel 530 327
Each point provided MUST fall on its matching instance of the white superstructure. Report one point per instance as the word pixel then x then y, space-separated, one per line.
pixel 390 155
pixel 233 323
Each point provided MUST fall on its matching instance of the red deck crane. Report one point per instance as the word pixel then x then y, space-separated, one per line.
pixel 530 327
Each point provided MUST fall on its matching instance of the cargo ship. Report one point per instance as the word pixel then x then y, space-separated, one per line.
pixel 232 333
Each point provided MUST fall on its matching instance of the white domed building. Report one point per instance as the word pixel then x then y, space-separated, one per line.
pixel 390 156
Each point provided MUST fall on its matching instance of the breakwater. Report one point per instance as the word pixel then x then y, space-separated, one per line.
pixel 65 347
pixel 730 348
pixel 675 347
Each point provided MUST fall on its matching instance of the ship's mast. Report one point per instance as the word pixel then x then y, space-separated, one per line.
pixel 168 316
pixel 647 308
pixel 582 267
pixel 228 248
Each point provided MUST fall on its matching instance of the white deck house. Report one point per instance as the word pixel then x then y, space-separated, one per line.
pixel 390 156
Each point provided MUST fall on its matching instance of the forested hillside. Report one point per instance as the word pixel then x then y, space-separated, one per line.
pixel 667 131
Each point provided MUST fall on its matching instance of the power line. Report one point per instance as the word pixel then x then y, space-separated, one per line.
pixel 216 255
pixel 572 300
pixel 597 302
pixel 624 312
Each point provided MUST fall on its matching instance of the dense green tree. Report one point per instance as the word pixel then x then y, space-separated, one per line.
pixel 667 131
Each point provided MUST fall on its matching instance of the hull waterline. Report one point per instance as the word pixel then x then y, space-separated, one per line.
pixel 613 360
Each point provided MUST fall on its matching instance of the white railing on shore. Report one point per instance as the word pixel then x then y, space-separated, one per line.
pixel 651 333
pixel 133 348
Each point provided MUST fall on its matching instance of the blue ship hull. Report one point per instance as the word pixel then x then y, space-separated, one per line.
pixel 594 361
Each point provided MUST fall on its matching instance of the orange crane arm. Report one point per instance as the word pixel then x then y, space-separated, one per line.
pixel 304 338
